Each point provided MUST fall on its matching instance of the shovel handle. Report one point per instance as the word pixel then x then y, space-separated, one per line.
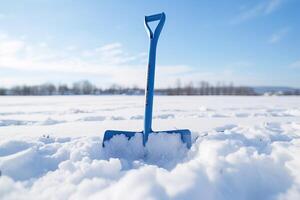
pixel 151 70
pixel 161 17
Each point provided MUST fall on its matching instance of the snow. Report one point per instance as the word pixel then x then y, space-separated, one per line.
pixel 243 148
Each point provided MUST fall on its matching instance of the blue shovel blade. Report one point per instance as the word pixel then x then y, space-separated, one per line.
pixel 185 135
pixel 111 133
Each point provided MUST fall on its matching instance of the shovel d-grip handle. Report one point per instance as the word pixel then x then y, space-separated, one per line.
pixel 161 17
pixel 153 36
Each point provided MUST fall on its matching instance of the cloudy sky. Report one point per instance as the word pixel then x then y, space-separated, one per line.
pixel 254 42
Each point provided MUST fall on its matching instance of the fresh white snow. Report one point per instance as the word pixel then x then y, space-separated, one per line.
pixel 244 148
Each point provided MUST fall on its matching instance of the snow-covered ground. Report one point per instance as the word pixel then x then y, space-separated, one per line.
pixel 244 148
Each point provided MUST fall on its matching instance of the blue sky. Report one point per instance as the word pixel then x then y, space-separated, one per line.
pixel 254 42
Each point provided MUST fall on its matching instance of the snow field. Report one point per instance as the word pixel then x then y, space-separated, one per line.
pixel 236 154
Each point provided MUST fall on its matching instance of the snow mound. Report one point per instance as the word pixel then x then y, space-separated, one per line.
pixel 162 149
pixel 237 163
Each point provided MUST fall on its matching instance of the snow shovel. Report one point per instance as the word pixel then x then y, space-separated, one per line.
pixel 185 134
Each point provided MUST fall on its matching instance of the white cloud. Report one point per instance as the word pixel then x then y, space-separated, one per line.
pixel 110 47
pixel 28 80
pixel 110 62
pixel 272 6
pixel 260 9
pixel 277 36
pixel 10 47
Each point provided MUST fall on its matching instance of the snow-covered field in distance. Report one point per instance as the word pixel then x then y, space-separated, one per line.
pixel 244 148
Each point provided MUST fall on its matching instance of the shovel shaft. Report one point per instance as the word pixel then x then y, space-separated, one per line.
pixel 151 71
pixel 149 90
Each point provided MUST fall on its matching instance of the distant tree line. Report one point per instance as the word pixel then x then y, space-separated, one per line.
pixel 290 93
pixel 87 88
pixel 78 88
pixel 205 88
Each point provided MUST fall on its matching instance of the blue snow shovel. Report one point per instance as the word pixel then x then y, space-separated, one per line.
pixel 185 134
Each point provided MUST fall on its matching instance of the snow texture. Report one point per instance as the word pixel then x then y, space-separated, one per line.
pixel 243 148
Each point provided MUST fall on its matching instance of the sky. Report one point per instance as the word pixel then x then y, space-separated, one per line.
pixel 253 43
